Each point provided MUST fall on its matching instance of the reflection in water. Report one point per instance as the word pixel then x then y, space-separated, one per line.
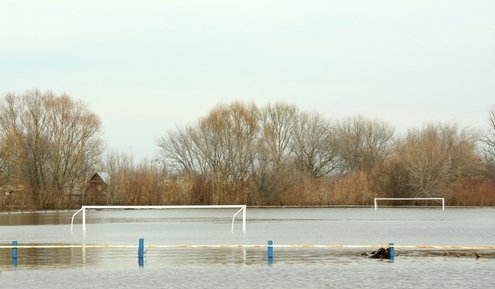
pixel 360 273
pixel 83 253
pixel 115 257
pixel 40 257
pixel 35 218
pixel 184 257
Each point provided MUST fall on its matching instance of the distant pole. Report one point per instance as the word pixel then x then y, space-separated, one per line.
pixel 391 251
pixel 132 162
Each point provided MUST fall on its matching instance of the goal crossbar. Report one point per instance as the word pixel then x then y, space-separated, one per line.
pixel 409 199
pixel 242 208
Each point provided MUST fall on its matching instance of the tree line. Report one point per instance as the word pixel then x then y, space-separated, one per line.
pixel 280 155
pixel 238 153
pixel 48 144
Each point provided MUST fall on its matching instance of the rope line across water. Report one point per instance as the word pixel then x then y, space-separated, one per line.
pixel 297 246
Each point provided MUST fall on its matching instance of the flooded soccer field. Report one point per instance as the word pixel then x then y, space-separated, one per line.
pixel 196 249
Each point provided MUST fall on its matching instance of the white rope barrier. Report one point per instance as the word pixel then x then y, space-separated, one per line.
pixel 295 246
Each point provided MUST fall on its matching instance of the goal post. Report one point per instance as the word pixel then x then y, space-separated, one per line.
pixel 409 199
pixel 242 208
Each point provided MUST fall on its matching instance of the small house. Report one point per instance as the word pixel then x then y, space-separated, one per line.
pixel 96 192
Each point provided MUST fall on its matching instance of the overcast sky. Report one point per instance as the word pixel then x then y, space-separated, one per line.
pixel 145 67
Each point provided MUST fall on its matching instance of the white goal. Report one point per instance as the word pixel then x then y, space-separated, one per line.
pixel 242 208
pixel 410 199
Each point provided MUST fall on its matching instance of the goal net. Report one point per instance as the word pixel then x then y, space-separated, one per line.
pixel 442 200
pixel 240 208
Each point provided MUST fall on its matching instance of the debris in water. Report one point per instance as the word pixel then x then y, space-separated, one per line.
pixel 381 253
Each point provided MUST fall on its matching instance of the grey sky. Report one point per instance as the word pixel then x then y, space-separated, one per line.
pixel 146 66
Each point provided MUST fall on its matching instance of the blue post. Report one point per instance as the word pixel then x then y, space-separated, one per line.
pixel 270 250
pixel 141 253
pixel 141 248
pixel 391 251
pixel 14 250
pixel 14 253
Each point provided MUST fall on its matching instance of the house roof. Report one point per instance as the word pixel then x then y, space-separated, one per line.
pixel 104 177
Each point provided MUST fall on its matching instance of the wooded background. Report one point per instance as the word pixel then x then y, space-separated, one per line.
pixel 51 147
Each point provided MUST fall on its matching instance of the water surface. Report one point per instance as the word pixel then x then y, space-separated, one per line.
pixel 247 267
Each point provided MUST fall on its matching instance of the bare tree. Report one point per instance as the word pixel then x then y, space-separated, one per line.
pixel 437 158
pixel 56 143
pixel 364 143
pixel 179 150
pixel 315 145
pixel 221 148
pixel 272 173
pixel 238 148
pixel 24 126
pixel 488 146
pixel 277 122
pixel 489 138
pixel 120 171
pixel 4 171
pixel 73 134
pixel 226 139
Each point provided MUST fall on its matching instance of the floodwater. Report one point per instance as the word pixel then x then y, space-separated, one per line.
pixel 248 267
